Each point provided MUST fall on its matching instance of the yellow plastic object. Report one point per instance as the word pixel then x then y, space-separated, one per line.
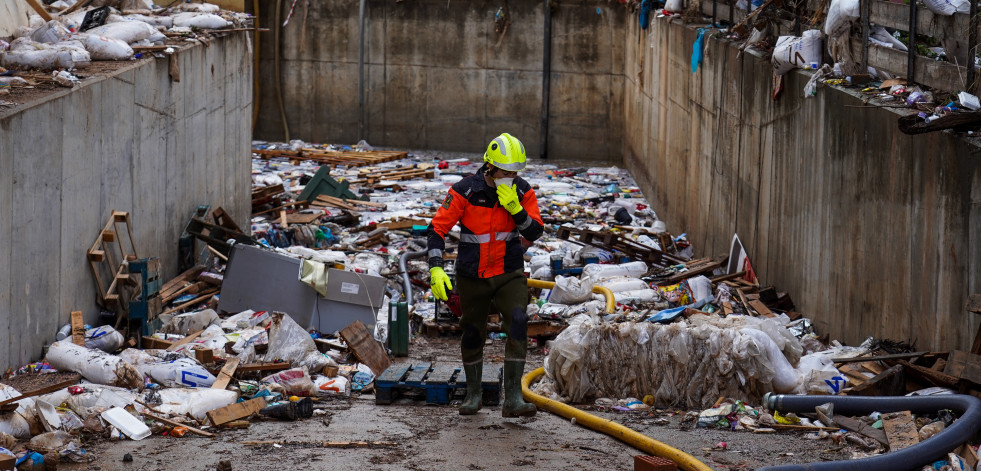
pixel 609 427
pixel 611 302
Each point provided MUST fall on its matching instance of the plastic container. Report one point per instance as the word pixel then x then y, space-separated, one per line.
pixel 127 424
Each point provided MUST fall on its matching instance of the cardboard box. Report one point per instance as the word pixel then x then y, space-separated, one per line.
pixel 7 462
pixel 260 279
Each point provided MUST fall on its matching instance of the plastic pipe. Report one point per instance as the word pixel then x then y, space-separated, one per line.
pixel 406 281
pixel 611 302
pixel 926 452
pixel 609 427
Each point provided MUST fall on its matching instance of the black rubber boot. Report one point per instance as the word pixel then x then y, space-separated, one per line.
pixel 514 403
pixel 471 404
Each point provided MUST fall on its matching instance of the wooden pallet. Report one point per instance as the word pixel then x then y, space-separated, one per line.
pixel 108 255
pixel 610 241
pixel 436 384
pixel 346 158
pixel 414 172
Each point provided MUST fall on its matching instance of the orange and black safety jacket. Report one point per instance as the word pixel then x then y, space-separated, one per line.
pixel 490 237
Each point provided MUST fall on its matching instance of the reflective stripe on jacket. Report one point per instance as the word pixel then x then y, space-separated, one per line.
pixel 489 236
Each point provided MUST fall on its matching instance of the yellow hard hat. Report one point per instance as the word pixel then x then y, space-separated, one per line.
pixel 506 152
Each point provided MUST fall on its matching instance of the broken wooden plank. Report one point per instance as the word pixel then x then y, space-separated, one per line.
pixel 153 343
pixel 895 356
pixel 187 339
pixel 761 308
pixel 964 365
pixel 173 423
pixel 365 347
pixel 269 366
pixel 931 376
pixel 857 426
pixel 78 328
pixel 226 373
pixel 45 390
pixel 223 415
pixel 900 430
pixel 891 382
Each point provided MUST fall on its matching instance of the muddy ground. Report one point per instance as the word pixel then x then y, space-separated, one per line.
pixel 437 438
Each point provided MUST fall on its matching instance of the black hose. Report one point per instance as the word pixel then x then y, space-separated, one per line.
pixel 911 458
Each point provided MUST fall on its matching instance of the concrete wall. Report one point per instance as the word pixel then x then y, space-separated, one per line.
pixel 437 76
pixel 871 231
pixel 132 141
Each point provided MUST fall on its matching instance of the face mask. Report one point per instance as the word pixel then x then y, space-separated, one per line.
pixel 503 181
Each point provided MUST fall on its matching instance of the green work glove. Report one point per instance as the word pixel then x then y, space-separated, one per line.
pixel 440 283
pixel 508 197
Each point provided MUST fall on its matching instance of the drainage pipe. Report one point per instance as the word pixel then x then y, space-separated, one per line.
pixel 914 457
pixel 609 427
pixel 611 302
pixel 406 281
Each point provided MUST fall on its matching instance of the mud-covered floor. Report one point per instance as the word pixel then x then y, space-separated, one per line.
pixel 437 438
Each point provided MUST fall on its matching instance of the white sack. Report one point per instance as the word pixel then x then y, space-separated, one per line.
pixel 948 7
pixel 195 401
pixel 102 48
pixel 32 55
pixel 104 338
pixel 571 290
pixel 200 21
pixel 623 283
pixel 126 31
pixel 603 272
pixel 95 365
pixel 15 423
pixel 169 369
pixel 51 32
pixel 190 322
pixel 801 52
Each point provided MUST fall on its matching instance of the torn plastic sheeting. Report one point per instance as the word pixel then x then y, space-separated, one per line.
pixel 679 364
pixel 290 342
pixel 95 365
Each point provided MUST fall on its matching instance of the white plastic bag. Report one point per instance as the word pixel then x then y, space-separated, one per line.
pixel 295 381
pixel 51 32
pixel 802 52
pixel 840 15
pixel 290 342
pixel 95 365
pixel 327 386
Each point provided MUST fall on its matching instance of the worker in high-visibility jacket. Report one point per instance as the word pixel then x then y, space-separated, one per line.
pixel 495 209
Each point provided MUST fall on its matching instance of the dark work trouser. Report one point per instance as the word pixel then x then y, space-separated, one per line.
pixel 510 294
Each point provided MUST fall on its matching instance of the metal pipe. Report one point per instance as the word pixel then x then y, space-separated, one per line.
pixel 911 54
pixel 866 32
pixel 406 281
pixel 361 71
pixel 972 43
pixel 546 75
pixel 276 59
pixel 913 457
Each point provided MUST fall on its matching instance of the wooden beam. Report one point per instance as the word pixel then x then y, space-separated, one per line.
pixel 185 340
pixel 40 9
pixel 900 430
pixel 226 373
pixel 895 356
pixel 78 328
pixel 223 415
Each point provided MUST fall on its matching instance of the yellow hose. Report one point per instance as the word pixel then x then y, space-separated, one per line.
pixel 609 427
pixel 611 302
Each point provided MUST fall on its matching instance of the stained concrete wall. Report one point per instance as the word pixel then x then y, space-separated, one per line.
pixel 131 141
pixel 871 231
pixel 437 75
